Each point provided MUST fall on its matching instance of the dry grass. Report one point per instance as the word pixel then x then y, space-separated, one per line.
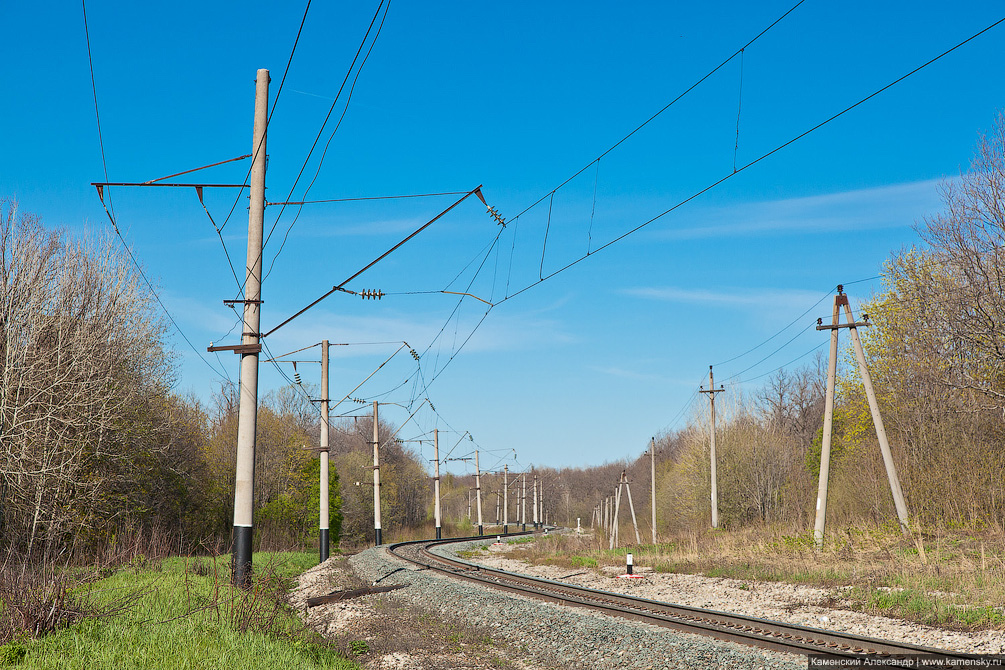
pixel 949 577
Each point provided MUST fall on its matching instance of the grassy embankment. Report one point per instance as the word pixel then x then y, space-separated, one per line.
pixel 182 613
pixel 951 578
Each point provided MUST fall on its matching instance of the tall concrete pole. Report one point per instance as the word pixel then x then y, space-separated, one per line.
pixel 523 502
pixel 436 481
pixel 825 447
pixel 505 498
pixel 537 524
pixel 877 419
pixel 652 472
pixel 631 506
pixel 378 539
pixel 711 391
pixel 324 453
pixel 478 494
pixel 244 483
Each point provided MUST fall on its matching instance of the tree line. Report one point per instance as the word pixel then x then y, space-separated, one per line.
pixel 94 440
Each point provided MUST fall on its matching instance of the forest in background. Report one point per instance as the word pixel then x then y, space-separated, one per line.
pixel 94 443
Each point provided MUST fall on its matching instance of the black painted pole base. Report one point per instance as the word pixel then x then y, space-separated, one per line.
pixel 379 538
pixel 481 530
pixel 525 528
pixel 240 559
pixel 438 537
pixel 505 530
pixel 323 554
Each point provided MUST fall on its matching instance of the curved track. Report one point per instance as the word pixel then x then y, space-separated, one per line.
pixel 761 633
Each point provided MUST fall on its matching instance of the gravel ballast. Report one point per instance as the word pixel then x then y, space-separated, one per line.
pixel 560 636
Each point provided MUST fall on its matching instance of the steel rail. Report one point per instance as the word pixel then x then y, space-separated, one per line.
pixel 752 631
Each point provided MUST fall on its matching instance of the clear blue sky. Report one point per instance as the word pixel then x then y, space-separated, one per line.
pixel 516 96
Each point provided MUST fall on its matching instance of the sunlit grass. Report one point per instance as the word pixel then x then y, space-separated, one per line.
pixel 187 615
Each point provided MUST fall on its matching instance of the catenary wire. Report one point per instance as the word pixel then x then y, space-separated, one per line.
pixel 111 218
pixel 754 162
pixel 268 121
pixel 324 123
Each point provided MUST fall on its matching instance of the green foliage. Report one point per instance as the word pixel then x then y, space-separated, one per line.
pixel 181 618
pixel 583 561
pixel 12 653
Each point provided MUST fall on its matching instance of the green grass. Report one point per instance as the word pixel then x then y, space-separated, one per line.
pixel 185 615
pixel 923 607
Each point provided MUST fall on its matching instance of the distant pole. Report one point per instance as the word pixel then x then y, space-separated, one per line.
pixel 711 391
pixel 652 471
pixel 505 498
pixel 536 517
pixel 478 495
pixel 378 539
pixel 244 481
pixel 498 503
pixel 324 541
pixel 523 502
pixel 543 520
pixel 617 509
pixel 635 524
pixel 436 480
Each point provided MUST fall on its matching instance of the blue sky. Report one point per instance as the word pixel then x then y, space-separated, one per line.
pixel 519 96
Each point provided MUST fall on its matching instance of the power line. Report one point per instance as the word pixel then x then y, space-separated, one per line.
pixel 374 197
pixel 373 262
pixel 331 109
pixel 111 218
pixel 665 107
pixel 268 122
pixel 744 167
pixel 789 325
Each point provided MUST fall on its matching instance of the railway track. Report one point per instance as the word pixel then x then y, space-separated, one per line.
pixel 762 633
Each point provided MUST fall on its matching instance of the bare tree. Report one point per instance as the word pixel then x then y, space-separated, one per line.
pixel 83 364
pixel 963 291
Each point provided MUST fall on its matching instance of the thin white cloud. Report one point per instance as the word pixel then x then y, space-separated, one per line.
pixel 745 297
pixel 893 206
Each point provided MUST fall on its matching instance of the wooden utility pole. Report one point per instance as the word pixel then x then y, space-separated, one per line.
pixel 378 539
pixel 436 480
pixel 711 391
pixel 841 300
pixel 323 484
pixel 244 482
pixel 478 495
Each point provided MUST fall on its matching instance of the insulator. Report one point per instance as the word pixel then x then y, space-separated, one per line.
pixel 414 355
pixel 296 377
pixel 495 215
pixel 431 407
